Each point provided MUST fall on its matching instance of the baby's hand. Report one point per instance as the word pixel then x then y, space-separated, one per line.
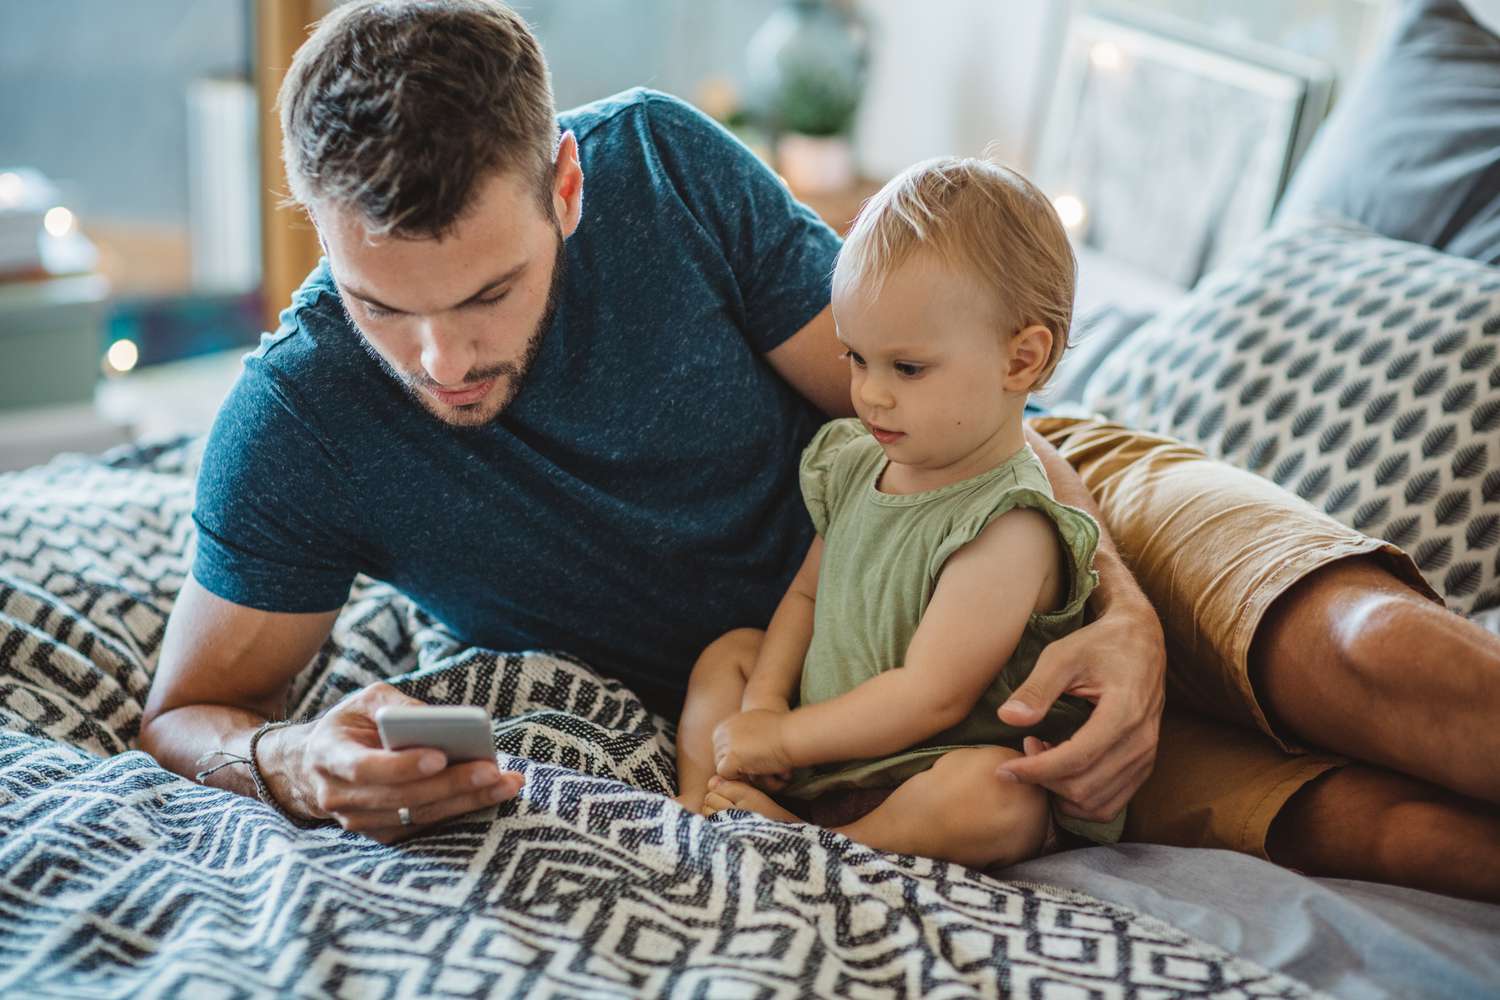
pixel 750 743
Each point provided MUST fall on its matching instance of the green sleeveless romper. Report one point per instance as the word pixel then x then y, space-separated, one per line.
pixel 881 558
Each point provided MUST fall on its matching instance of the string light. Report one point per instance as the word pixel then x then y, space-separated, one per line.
pixel 122 355
pixel 1071 210
pixel 1106 56
pixel 58 221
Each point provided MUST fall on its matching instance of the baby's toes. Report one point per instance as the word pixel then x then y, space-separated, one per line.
pixel 713 802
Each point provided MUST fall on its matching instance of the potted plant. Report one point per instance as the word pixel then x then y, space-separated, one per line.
pixel 807 72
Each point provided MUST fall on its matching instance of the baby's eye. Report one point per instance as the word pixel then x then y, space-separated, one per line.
pixel 909 370
pixel 859 362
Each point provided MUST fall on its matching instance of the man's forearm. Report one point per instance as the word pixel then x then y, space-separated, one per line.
pixel 1117 585
pixel 179 738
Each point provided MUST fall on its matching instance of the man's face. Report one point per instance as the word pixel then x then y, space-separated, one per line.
pixel 458 320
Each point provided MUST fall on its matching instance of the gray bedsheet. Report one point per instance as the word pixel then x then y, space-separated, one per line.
pixel 1351 939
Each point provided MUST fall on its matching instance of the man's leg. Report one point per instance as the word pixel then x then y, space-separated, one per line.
pixel 1365 822
pixel 1242 571
pixel 1354 660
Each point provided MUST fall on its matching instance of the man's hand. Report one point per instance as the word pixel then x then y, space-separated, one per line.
pixel 336 768
pixel 1119 663
pixel 751 744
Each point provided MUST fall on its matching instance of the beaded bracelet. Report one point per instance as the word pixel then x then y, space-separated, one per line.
pixel 262 790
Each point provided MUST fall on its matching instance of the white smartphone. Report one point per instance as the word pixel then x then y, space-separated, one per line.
pixel 462 732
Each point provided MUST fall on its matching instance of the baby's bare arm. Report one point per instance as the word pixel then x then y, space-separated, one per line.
pixel 984 596
pixel 778 666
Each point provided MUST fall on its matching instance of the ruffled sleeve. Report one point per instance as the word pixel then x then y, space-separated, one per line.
pixel 1080 536
pixel 820 474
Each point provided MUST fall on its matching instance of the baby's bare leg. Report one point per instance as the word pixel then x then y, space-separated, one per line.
pixel 714 691
pixel 957 811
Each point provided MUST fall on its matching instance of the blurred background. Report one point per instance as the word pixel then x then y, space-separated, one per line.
pixel 142 249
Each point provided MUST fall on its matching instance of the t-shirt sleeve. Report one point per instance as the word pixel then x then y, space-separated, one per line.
pixel 779 251
pixel 819 474
pixel 273 515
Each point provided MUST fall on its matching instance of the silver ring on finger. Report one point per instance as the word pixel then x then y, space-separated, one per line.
pixel 404 815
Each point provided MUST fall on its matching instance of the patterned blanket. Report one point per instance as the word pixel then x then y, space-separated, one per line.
pixel 119 878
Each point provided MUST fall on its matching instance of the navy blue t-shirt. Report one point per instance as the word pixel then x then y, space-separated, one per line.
pixel 636 499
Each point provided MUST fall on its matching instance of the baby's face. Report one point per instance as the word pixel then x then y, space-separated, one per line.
pixel 928 360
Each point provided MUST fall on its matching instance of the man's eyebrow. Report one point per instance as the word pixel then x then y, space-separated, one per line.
pixel 489 286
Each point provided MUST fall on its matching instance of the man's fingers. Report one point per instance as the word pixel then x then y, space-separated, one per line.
pixel 1102 792
pixel 1105 805
pixel 388 820
pixel 1072 756
pixel 1053 673
pixel 359 765
pixel 462 779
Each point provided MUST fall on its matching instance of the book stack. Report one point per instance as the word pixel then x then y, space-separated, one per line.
pixel 25 198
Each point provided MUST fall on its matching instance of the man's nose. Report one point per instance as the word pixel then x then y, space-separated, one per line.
pixel 448 355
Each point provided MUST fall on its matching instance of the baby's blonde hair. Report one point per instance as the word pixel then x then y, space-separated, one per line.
pixel 978 216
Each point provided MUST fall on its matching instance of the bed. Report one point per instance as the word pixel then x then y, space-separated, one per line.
pixel 119 878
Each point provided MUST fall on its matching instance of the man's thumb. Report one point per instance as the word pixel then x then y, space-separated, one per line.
pixel 1029 702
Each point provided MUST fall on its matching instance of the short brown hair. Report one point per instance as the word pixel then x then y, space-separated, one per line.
pixel 983 218
pixel 398 108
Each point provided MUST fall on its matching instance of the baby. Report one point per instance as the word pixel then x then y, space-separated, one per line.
pixel 942 564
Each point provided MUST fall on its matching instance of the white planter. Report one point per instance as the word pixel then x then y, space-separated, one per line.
pixel 815 164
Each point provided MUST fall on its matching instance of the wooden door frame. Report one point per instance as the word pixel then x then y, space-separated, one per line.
pixel 289 244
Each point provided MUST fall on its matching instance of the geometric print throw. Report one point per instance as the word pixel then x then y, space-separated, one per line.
pixel 121 879
pixel 1359 372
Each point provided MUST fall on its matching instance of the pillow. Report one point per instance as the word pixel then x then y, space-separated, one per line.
pixel 1359 372
pixel 1413 149
pixel 1093 338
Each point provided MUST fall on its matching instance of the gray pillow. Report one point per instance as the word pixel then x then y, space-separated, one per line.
pixel 1361 373
pixel 1412 151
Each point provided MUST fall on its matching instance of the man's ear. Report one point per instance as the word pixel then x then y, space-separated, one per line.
pixel 567 185
pixel 1030 349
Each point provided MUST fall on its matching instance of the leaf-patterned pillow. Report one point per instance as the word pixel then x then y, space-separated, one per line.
pixel 1362 373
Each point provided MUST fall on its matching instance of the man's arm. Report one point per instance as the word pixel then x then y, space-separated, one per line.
pixel 1118 661
pixel 225 669
pixel 810 362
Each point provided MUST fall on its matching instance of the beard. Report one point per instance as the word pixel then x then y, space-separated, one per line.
pixel 487 410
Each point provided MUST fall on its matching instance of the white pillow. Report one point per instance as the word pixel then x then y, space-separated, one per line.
pixel 1362 373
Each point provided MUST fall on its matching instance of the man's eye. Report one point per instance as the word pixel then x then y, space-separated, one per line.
pixel 374 310
pixel 493 299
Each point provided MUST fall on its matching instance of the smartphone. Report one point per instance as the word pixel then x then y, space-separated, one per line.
pixel 462 732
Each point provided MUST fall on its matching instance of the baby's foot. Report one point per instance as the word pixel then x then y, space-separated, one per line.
pixel 724 794
pixel 693 803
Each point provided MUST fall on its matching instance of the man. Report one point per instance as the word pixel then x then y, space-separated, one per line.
pixel 559 423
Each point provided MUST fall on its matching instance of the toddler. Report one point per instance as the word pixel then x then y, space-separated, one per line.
pixel 942 563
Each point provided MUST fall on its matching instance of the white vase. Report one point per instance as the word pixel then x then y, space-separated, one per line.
pixel 815 164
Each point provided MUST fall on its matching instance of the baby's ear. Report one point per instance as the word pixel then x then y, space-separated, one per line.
pixel 1030 349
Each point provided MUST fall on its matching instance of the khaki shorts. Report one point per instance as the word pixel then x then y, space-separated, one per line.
pixel 1213 547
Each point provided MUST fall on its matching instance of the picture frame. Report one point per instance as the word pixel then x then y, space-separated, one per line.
pixel 1165 149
